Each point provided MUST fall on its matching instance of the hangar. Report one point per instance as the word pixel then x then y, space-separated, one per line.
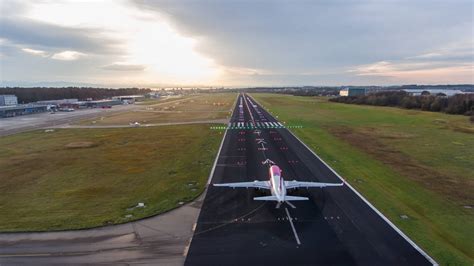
pixel 23 109
pixel 129 98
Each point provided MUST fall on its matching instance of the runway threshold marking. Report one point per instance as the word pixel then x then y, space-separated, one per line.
pixel 292 226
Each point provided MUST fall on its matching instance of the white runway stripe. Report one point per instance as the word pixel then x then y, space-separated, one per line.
pixel 292 226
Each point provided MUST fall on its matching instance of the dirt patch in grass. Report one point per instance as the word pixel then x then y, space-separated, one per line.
pixel 455 126
pixel 80 145
pixel 469 130
pixel 395 135
pixel 452 187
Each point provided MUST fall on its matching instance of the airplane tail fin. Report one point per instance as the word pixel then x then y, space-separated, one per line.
pixel 266 198
pixel 290 198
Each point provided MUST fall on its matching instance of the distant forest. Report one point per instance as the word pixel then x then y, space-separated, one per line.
pixel 458 104
pixel 332 91
pixel 27 95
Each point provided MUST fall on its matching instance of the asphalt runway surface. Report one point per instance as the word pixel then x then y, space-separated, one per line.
pixel 335 227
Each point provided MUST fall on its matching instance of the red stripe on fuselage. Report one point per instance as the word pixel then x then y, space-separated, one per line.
pixel 275 171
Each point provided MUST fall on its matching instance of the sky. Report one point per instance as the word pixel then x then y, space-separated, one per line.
pixel 236 43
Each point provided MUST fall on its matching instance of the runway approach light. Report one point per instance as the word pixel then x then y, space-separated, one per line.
pixel 264 125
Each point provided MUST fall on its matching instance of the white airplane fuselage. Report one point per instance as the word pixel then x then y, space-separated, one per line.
pixel 278 188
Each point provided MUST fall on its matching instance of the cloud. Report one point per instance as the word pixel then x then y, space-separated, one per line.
pixel 124 67
pixel 453 56
pixel 263 42
pixel 450 62
pixel 456 51
pixel 418 72
pixel 68 55
pixel 378 68
pixel 140 38
pixel 29 32
pixel 35 52
pixel 293 37
pixel 298 34
pixel 427 56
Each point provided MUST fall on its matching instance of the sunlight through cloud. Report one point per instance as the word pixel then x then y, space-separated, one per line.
pixel 147 40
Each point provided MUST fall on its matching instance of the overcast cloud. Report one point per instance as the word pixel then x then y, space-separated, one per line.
pixel 239 43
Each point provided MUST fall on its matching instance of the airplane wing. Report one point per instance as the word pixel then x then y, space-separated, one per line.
pixel 297 184
pixel 254 184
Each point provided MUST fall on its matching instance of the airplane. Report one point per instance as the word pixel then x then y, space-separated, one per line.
pixel 278 187
pixel 135 124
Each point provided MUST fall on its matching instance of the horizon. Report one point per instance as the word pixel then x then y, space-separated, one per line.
pixel 98 86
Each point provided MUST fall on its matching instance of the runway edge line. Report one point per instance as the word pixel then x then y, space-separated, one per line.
pixel 413 244
pixel 222 143
pixel 186 249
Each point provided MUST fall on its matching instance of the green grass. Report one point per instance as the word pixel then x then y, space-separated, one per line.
pixel 405 162
pixel 79 178
pixel 201 107
pixel 151 101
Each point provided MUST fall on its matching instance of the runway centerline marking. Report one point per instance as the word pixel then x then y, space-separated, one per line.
pixel 292 226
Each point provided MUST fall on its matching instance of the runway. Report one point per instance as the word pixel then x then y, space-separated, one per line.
pixel 335 227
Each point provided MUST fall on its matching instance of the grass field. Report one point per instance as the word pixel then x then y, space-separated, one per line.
pixel 78 178
pixel 200 107
pixel 405 162
pixel 162 100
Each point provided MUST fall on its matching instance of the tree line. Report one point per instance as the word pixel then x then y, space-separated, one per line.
pixel 33 94
pixel 457 104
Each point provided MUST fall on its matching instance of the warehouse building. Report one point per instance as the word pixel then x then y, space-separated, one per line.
pixel 8 100
pixel 22 109
pixel 59 102
pixel 76 104
pixel 352 92
pixel 130 98
pixel 102 103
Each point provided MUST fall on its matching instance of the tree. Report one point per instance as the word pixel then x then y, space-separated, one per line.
pixel 457 104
